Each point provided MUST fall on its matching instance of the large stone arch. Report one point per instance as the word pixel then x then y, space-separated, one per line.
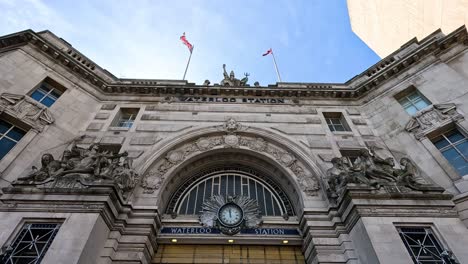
pixel 282 153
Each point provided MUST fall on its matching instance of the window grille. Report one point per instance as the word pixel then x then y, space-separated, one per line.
pixel 423 246
pixel 31 244
pixel 454 147
pixel 10 135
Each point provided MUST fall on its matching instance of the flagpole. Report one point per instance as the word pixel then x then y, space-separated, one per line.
pixel 188 62
pixel 276 66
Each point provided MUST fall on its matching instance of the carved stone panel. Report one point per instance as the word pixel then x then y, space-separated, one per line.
pixel 155 177
pixel 432 118
pixel 26 109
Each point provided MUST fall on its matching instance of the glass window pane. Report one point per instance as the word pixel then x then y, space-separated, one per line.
pixel 414 95
pixel 48 101
pixel 463 148
pixel 268 202
pixel 421 104
pixel 331 127
pixel 454 136
pixel 200 196
pixel 37 95
pixel 336 121
pixel 253 193
pixel 328 120
pixel 208 189
pixel 261 200
pixel 4 126
pixel 339 128
pixel 191 202
pixel 411 110
pixel 5 146
pixel 237 185
pixel 223 186
pixel 44 87
pixel 440 142
pixel 16 134
pixel 230 185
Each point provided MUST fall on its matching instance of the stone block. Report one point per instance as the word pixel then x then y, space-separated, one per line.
pixel 326 156
pixel 143 140
pixel 359 121
pixel 112 140
pixel 151 108
pixel 108 107
pixel 348 144
pixel 162 127
pixel 95 126
pixel 317 143
pixel 353 111
pixel 102 116
pixel 150 117
pixel 134 153
pixel 365 131
pixel 87 140
pixel 313 120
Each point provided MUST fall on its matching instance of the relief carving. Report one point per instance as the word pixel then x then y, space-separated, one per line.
pixel 432 118
pixel 26 109
pixel 80 167
pixel 374 171
pixel 155 177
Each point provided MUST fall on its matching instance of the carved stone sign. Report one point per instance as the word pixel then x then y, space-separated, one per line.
pixel 251 231
pixel 210 99
pixel 432 118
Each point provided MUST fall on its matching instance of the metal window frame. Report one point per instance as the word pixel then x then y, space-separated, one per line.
pixel 454 144
pixel 184 199
pixel 49 93
pixel 4 135
pixel 405 101
pixel 12 250
pixel 441 257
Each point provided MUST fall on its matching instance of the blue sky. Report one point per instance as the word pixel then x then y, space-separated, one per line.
pixel 312 39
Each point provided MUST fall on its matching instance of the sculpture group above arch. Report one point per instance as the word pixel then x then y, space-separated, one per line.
pixel 230 135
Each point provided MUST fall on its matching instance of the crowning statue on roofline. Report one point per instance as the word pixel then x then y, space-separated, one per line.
pixel 83 167
pixel 230 80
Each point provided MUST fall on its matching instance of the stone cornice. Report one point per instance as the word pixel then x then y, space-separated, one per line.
pixel 106 83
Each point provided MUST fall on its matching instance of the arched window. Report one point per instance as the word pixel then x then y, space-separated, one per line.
pixel 272 201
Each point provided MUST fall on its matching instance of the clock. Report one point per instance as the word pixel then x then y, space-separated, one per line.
pixel 230 215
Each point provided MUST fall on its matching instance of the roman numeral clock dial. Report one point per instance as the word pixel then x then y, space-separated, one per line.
pixel 230 215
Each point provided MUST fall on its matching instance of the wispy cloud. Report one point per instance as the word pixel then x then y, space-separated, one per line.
pixel 140 39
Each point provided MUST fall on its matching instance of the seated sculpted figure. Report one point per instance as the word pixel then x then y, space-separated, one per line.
pixel 49 168
pixel 409 175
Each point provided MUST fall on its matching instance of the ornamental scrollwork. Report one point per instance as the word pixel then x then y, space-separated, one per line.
pixel 26 109
pixel 432 118
pixel 155 177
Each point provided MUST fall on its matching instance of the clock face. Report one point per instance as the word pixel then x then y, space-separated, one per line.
pixel 230 214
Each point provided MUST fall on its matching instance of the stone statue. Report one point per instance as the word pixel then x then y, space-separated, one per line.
pixel 409 175
pixel 374 171
pixel 230 80
pixel 81 165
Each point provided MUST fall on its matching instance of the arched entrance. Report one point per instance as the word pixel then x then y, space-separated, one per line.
pixel 273 175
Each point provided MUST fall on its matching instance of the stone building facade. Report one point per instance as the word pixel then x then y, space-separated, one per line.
pixel 97 169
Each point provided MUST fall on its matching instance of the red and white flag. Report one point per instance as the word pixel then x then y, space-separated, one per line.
pixel 186 43
pixel 270 51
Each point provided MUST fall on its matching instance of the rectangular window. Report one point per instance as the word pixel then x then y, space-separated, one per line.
pixel 125 117
pixel 454 146
pixel 336 122
pixel 412 100
pixel 31 244
pixel 10 135
pixel 350 156
pixel 424 247
pixel 48 92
